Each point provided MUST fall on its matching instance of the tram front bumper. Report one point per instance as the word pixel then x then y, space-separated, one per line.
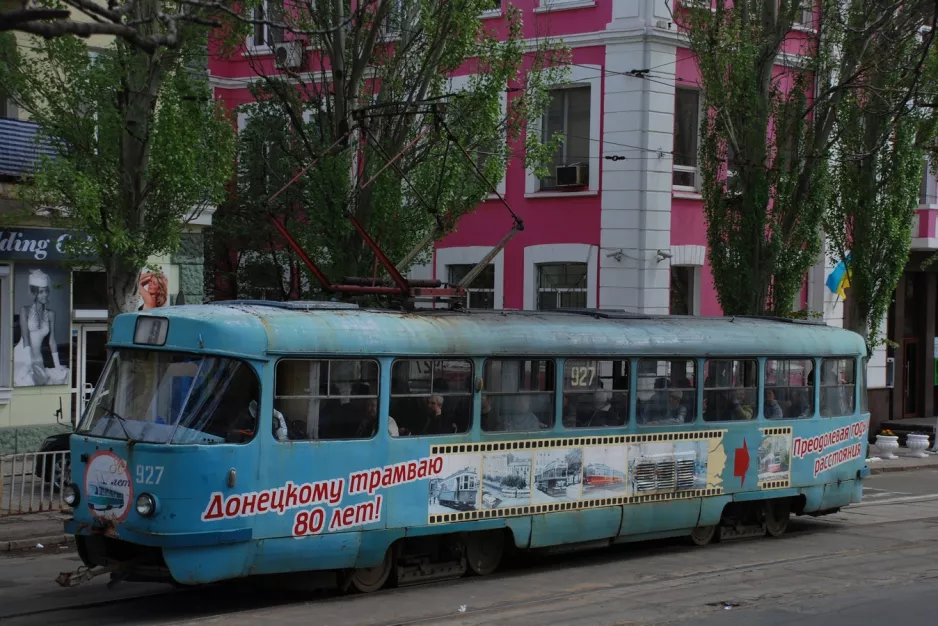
pixel 162 540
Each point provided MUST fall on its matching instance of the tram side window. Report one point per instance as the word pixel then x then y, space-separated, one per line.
pixel 864 395
pixel 431 397
pixel 730 388
pixel 667 392
pixel 595 393
pixel 789 388
pixel 518 395
pixel 327 399
pixel 838 386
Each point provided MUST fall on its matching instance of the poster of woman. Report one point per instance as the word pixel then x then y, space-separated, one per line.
pixel 153 289
pixel 41 300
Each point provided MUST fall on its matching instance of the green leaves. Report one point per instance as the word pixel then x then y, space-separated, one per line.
pixel 141 144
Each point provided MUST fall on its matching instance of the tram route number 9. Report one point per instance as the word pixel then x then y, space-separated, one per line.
pixel 582 376
pixel 149 474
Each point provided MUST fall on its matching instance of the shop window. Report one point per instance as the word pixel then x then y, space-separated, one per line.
pixel 667 392
pixel 327 399
pixel 518 395
pixel 595 393
pixel 89 290
pixel 6 330
pixel 431 397
pixel 730 389
pixel 838 387
pixel 789 388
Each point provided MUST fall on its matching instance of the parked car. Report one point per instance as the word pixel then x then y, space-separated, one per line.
pixel 60 463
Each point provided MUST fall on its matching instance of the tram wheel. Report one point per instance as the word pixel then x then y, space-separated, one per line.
pixel 484 551
pixel 777 513
pixel 703 535
pixel 367 579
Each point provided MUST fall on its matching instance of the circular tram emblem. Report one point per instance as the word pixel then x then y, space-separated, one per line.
pixel 109 489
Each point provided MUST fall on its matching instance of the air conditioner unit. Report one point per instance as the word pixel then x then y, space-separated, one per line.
pixel 289 54
pixel 573 175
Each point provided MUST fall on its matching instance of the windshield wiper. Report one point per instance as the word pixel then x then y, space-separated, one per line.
pixel 122 421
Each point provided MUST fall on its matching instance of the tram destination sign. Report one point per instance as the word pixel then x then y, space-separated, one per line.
pixel 38 244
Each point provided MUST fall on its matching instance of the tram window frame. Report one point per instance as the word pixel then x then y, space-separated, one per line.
pixel 342 407
pixel 824 386
pixel 864 389
pixel 575 386
pixel 494 399
pixel 404 429
pixel 811 379
pixel 712 393
pixel 689 395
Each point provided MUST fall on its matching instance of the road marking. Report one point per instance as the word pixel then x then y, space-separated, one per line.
pixel 933 496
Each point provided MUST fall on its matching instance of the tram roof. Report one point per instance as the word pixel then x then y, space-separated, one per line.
pixel 253 328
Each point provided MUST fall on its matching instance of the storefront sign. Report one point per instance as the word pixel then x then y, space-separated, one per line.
pixel 36 244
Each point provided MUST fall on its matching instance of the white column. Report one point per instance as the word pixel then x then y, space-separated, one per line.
pixel 636 192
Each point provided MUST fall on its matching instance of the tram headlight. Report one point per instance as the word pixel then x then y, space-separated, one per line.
pixel 146 505
pixel 70 495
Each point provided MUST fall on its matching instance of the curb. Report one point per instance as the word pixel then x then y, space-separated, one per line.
pixel 26 544
pixel 882 469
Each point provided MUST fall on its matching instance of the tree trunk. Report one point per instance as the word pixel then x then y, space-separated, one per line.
pixel 121 288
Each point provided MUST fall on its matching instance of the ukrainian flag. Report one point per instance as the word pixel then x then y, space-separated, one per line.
pixel 839 279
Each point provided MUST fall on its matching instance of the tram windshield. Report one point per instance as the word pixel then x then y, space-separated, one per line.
pixel 170 397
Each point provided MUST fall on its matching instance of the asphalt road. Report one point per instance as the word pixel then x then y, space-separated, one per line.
pixel 871 564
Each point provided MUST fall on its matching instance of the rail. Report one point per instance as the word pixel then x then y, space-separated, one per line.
pixel 33 482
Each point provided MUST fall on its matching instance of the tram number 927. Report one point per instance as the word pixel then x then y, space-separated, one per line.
pixel 149 474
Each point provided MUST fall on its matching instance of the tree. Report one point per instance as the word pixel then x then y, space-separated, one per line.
pixel 374 89
pixel 883 138
pixel 140 145
pixel 775 130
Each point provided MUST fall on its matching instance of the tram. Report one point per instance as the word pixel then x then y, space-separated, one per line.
pixel 552 479
pixel 459 490
pixel 203 483
pixel 601 475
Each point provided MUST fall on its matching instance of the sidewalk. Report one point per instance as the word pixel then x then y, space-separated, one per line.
pixel 878 465
pixel 24 532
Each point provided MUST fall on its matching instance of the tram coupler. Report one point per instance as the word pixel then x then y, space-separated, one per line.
pixel 83 574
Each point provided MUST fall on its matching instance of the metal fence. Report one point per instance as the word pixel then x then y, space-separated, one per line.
pixel 33 482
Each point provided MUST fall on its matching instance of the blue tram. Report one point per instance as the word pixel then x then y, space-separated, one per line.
pixel 244 438
pixel 552 478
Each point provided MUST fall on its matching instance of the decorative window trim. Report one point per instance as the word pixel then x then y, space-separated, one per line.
pixel 688 255
pixel 550 6
pixel 472 255
pixel 580 76
pixel 560 253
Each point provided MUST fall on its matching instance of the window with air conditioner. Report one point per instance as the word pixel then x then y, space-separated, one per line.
pixel 569 115
pixel 686 133
pixel 561 286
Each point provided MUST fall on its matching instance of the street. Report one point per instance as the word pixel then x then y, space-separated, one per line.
pixel 870 564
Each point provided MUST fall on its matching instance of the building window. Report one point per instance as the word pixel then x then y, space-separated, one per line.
pixel 804 15
pixel 568 115
pixel 89 290
pixel 481 291
pixel 686 130
pixel 265 34
pixel 682 290
pixel 561 286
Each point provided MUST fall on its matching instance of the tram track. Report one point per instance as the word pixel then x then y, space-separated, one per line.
pixel 528 565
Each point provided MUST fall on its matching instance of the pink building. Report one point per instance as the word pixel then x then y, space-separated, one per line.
pixel 625 226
